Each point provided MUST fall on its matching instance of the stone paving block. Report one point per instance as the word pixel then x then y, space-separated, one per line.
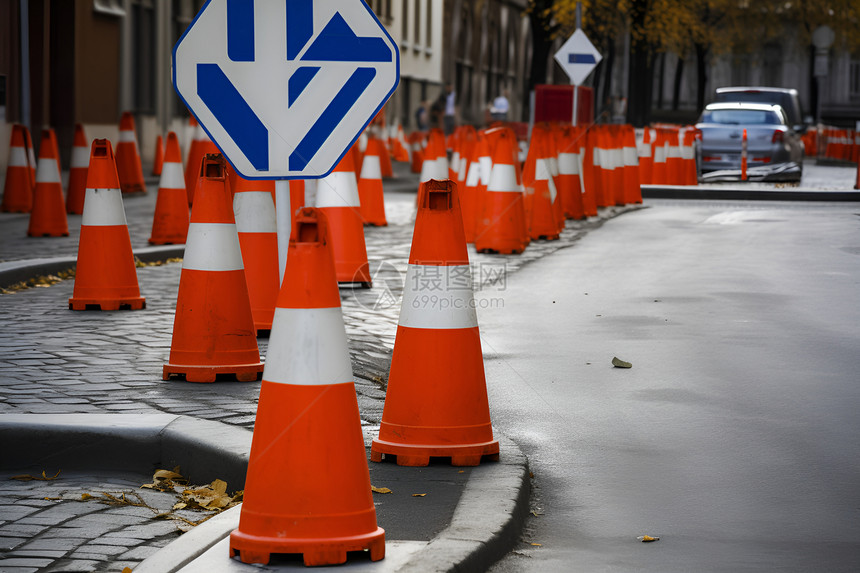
pixel 25 562
pixel 15 512
pixel 8 543
pixel 139 553
pixel 18 530
pixel 44 553
pixel 73 566
pixel 64 544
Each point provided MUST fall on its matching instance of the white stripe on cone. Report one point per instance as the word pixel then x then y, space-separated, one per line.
pixel 434 169
pixel 473 178
pixel 127 136
pixel 18 157
pixel 212 247
pixel 103 208
pixel 371 168
pixel 438 297
pixel 503 179
pixel 307 347
pixel 542 174
pixel 337 189
pixel 47 171
pixel 172 176
pixel 80 157
pixel 568 163
pixel 255 212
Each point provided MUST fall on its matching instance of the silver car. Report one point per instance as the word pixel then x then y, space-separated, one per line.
pixel 774 149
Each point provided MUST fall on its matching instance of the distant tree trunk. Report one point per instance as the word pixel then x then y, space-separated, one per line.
pixel 676 85
pixel 701 75
pixel 661 80
pixel 641 76
pixel 606 92
pixel 541 43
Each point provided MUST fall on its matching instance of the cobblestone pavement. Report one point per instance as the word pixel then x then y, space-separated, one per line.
pixel 56 361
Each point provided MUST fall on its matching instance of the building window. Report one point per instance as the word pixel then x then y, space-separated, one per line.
pixel 143 42
pixel 854 80
pixel 404 22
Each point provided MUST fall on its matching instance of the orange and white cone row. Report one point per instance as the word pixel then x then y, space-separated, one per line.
pixel 105 276
pixel 337 196
pixel 308 487
pixel 80 161
pixel 170 220
pixel 370 191
pixel 254 208
pixel 128 158
pixel 436 403
pixel 48 216
pixel 18 189
pixel 213 329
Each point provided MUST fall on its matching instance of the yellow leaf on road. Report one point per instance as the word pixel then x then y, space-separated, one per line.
pixel 419 494
pixel 380 489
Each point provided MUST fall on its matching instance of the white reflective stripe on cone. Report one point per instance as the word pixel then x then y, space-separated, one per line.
pixel 688 152
pixel 542 174
pixel 212 247
pixel 127 136
pixel 461 171
pixel 80 157
pixel 503 178
pixel 630 157
pixel 568 164
pixel 18 157
pixel 255 212
pixel 473 177
pixel 47 171
pixel 172 176
pixel 338 189
pixel 660 154
pixel 674 151
pixel 486 163
pixel 643 149
pixel 32 156
pixel 438 297
pixel 371 168
pixel 103 208
pixel 434 169
pixel 307 347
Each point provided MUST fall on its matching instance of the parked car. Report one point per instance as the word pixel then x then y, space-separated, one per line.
pixel 774 148
pixel 785 97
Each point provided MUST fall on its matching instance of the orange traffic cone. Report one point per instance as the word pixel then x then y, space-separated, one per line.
pixel 417 152
pixel 18 189
pixel 370 192
pixel 200 146
pixel 435 164
pixel 78 172
pixel 501 224
pixel 646 159
pixel 170 221
pixel 337 196
pixel 569 172
pixel 545 209
pixel 105 277
pixel 307 488
pixel 254 208
pixel 630 175
pixel 474 184
pixel 48 217
pixel 213 330
pixel 158 162
pixel 436 404
pixel 127 157
pixel 674 160
pixel 31 155
pixel 385 166
pixel 659 174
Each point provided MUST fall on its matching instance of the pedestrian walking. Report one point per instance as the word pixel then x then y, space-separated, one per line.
pixel 450 108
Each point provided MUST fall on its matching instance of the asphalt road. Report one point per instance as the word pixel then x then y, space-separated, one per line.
pixel 735 436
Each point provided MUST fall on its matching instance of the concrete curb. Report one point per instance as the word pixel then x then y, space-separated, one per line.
pixel 485 526
pixel 488 520
pixel 741 193
pixel 204 449
pixel 12 272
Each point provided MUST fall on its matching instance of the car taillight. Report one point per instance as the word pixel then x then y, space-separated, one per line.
pixel 777 137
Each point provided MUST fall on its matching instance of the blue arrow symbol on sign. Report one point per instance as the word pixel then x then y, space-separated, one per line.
pixel 234 114
pixel 581 59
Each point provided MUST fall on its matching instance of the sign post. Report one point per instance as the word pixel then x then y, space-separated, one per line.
pixel 577 57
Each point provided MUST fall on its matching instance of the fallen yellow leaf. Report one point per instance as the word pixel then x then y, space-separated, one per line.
pixel 380 489
pixel 28 477
pixel 536 544
pixel 85 496
pixel 419 494
pixel 647 538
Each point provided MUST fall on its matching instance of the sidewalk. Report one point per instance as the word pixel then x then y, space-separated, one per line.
pixel 66 371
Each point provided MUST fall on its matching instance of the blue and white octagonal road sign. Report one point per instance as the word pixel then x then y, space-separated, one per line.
pixel 285 87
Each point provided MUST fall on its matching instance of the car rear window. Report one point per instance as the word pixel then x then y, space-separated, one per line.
pixel 741 117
